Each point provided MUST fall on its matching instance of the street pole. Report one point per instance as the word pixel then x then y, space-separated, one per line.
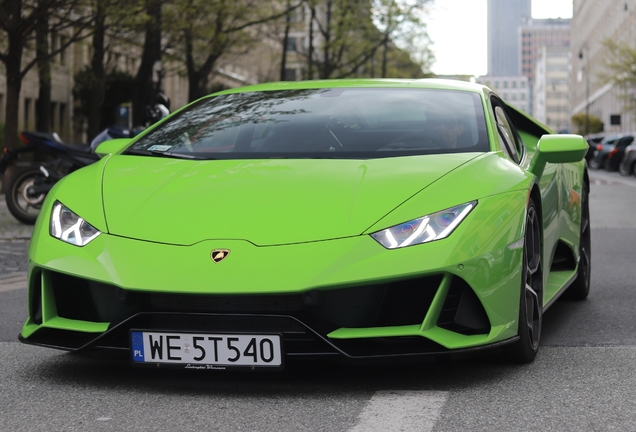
pixel 587 86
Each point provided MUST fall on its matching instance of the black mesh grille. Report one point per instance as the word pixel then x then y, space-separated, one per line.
pixel 406 302
pixel 403 302
pixel 462 311
pixel 225 303
pixel 304 319
pixel 73 297
pixel 224 323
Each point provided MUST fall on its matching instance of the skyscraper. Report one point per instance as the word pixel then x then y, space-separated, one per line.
pixel 504 19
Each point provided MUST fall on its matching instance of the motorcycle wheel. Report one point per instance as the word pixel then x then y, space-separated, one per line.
pixel 21 205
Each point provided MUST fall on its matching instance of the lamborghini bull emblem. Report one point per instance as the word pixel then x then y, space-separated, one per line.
pixel 219 255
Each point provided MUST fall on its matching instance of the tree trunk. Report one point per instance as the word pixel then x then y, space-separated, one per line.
pixel 193 75
pixel 43 105
pixel 145 92
pixel 283 62
pixel 310 54
pixel 385 49
pixel 12 63
pixel 96 98
pixel 326 66
pixel 198 78
pixel 12 109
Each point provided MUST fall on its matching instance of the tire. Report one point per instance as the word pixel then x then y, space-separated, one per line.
pixel 595 164
pixel 625 170
pixel 580 288
pixel 23 207
pixel 606 164
pixel 525 349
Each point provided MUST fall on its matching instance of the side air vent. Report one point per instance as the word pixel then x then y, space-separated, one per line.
pixel 563 258
pixel 462 311
pixel 35 302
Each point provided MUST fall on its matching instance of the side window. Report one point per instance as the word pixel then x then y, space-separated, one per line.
pixel 509 138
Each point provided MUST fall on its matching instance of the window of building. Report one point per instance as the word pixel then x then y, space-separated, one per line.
pixel 62 57
pixel 290 74
pixel 291 44
pixel 52 116
pixel 54 40
pixel 27 113
pixel 62 118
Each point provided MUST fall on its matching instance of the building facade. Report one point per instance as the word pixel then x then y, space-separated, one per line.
pixel 504 19
pixel 64 66
pixel 515 90
pixel 552 88
pixel 591 90
pixel 539 33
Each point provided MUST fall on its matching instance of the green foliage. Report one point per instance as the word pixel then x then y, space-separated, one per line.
pixel 580 126
pixel 400 64
pixel 378 38
pixel 202 31
pixel 118 89
pixel 620 69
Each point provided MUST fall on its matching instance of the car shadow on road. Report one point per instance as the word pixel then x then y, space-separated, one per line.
pixel 101 372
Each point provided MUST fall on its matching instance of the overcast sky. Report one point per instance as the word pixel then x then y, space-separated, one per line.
pixel 458 31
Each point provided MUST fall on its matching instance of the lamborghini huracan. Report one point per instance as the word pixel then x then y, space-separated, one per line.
pixel 350 220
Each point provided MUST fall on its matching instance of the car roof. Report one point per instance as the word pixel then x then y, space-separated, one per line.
pixel 428 83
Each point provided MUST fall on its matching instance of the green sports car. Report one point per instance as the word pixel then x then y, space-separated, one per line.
pixel 354 220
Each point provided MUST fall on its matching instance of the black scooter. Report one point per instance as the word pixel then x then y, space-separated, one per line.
pixel 26 188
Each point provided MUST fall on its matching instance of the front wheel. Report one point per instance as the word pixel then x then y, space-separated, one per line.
pixel 24 206
pixel 530 305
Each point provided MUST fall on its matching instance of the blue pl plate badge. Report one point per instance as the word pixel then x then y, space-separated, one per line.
pixel 137 339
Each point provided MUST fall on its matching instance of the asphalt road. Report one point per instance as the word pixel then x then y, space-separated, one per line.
pixel 582 380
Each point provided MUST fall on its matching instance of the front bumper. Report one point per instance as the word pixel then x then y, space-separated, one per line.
pixel 402 318
pixel 346 298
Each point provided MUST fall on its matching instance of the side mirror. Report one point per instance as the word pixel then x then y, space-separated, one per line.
pixel 112 146
pixel 558 149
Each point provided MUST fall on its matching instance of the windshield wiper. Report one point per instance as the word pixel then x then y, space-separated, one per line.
pixel 173 155
pixel 163 154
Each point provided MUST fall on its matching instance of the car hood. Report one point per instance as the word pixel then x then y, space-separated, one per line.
pixel 266 202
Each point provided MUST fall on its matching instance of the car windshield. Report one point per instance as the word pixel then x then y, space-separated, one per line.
pixel 322 123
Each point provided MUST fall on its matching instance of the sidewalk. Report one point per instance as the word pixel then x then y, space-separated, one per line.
pixel 10 228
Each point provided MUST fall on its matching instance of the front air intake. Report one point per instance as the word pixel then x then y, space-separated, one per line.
pixel 462 311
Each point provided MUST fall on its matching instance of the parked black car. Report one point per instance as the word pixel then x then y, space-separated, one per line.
pixel 593 140
pixel 615 155
pixel 602 151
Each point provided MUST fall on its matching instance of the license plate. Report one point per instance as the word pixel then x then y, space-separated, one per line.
pixel 206 351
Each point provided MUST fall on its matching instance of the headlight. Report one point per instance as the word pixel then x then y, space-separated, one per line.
pixel 69 227
pixel 425 229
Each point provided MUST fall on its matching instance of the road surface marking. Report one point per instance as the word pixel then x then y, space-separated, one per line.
pixel 13 283
pixel 401 410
